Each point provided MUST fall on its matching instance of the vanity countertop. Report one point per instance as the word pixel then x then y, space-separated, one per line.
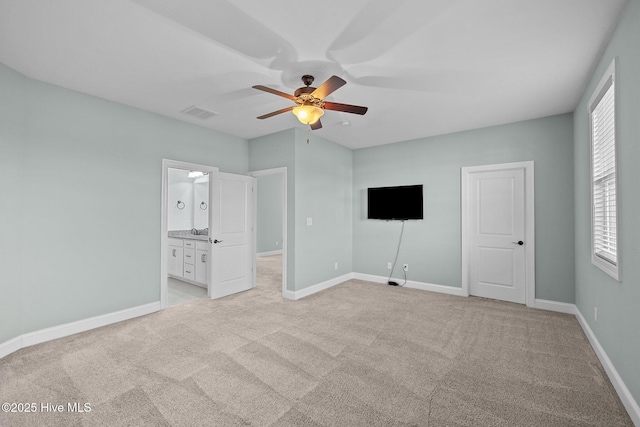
pixel 186 234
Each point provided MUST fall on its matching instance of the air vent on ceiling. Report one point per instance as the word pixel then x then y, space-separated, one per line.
pixel 198 112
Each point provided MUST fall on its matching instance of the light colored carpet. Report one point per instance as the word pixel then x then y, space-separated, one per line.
pixel 358 354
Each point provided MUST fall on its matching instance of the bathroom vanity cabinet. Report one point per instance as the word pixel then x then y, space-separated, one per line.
pixel 187 260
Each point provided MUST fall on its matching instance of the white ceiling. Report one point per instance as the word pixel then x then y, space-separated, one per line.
pixel 423 67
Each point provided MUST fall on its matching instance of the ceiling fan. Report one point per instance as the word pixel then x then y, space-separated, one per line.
pixel 310 104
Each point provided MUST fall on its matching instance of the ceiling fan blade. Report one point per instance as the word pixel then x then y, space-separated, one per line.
pixel 345 108
pixel 275 113
pixel 332 84
pixel 229 25
pixel 317 125
pixel 274 91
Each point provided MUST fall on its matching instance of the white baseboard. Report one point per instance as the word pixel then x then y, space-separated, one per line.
pixel 623 392
pixel 268 253
pixel 560 307
pixel 10 346
pixel 48 334
pixel 450 290
pixel 318 287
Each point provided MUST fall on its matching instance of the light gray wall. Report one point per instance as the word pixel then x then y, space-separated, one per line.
pixel 324 193
pixel 618 302
pixel 13 133
pixel 275 151
pixel 319 187
pixel 83 178
pixel 432 247
pixel 269 214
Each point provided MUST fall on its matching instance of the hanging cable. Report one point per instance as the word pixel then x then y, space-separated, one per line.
pixel 396 260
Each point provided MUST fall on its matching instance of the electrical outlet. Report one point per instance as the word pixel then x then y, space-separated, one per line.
pixel 277 243
pixel 336 265
pixel 595 313
pixel 405 267
pixel 309 221
pixel 389 266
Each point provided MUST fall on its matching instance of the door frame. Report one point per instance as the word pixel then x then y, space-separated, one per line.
pixel 529 211
pixel 164 221
pixel 283 172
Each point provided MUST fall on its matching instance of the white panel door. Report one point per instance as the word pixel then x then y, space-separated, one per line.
pixel 496 235
pixel 232 235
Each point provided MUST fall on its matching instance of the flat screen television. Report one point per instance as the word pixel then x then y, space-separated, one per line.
pixel 395 203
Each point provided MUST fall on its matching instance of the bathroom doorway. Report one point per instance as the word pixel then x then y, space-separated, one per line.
pixel 187 211
pixel 218 252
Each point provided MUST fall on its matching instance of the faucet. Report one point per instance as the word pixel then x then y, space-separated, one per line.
pixel 194 231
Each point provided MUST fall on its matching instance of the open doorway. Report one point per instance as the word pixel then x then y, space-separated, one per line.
pixel 188 233
pixel 186 214
pixel 271 235
pixel 220 252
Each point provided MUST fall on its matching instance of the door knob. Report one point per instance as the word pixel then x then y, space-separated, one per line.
pixel 519 242
pixel 217 241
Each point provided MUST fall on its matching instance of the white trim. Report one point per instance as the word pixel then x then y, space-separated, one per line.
pixel 442 289
pixel 13 345
pixel 530 250
pixel 283 171
pixel 164 221
pixel 611 71
pixel 310 290
pixel 78 326
pixel 560 307
pixel 268 253
pixel 623 392
pixel 610 269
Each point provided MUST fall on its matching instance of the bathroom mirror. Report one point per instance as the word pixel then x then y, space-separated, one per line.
pixel 188 200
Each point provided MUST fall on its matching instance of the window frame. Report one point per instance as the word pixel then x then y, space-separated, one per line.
pixel 610 268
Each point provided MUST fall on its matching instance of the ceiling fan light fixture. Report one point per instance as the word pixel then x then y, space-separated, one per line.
pixel 308 114
pixel 310 104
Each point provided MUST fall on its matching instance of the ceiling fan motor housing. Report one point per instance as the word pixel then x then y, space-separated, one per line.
pixel 308 99
pixel 307 80
pixel 304 90
pixel 303 94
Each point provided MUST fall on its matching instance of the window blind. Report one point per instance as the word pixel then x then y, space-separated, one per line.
pixel 603 176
